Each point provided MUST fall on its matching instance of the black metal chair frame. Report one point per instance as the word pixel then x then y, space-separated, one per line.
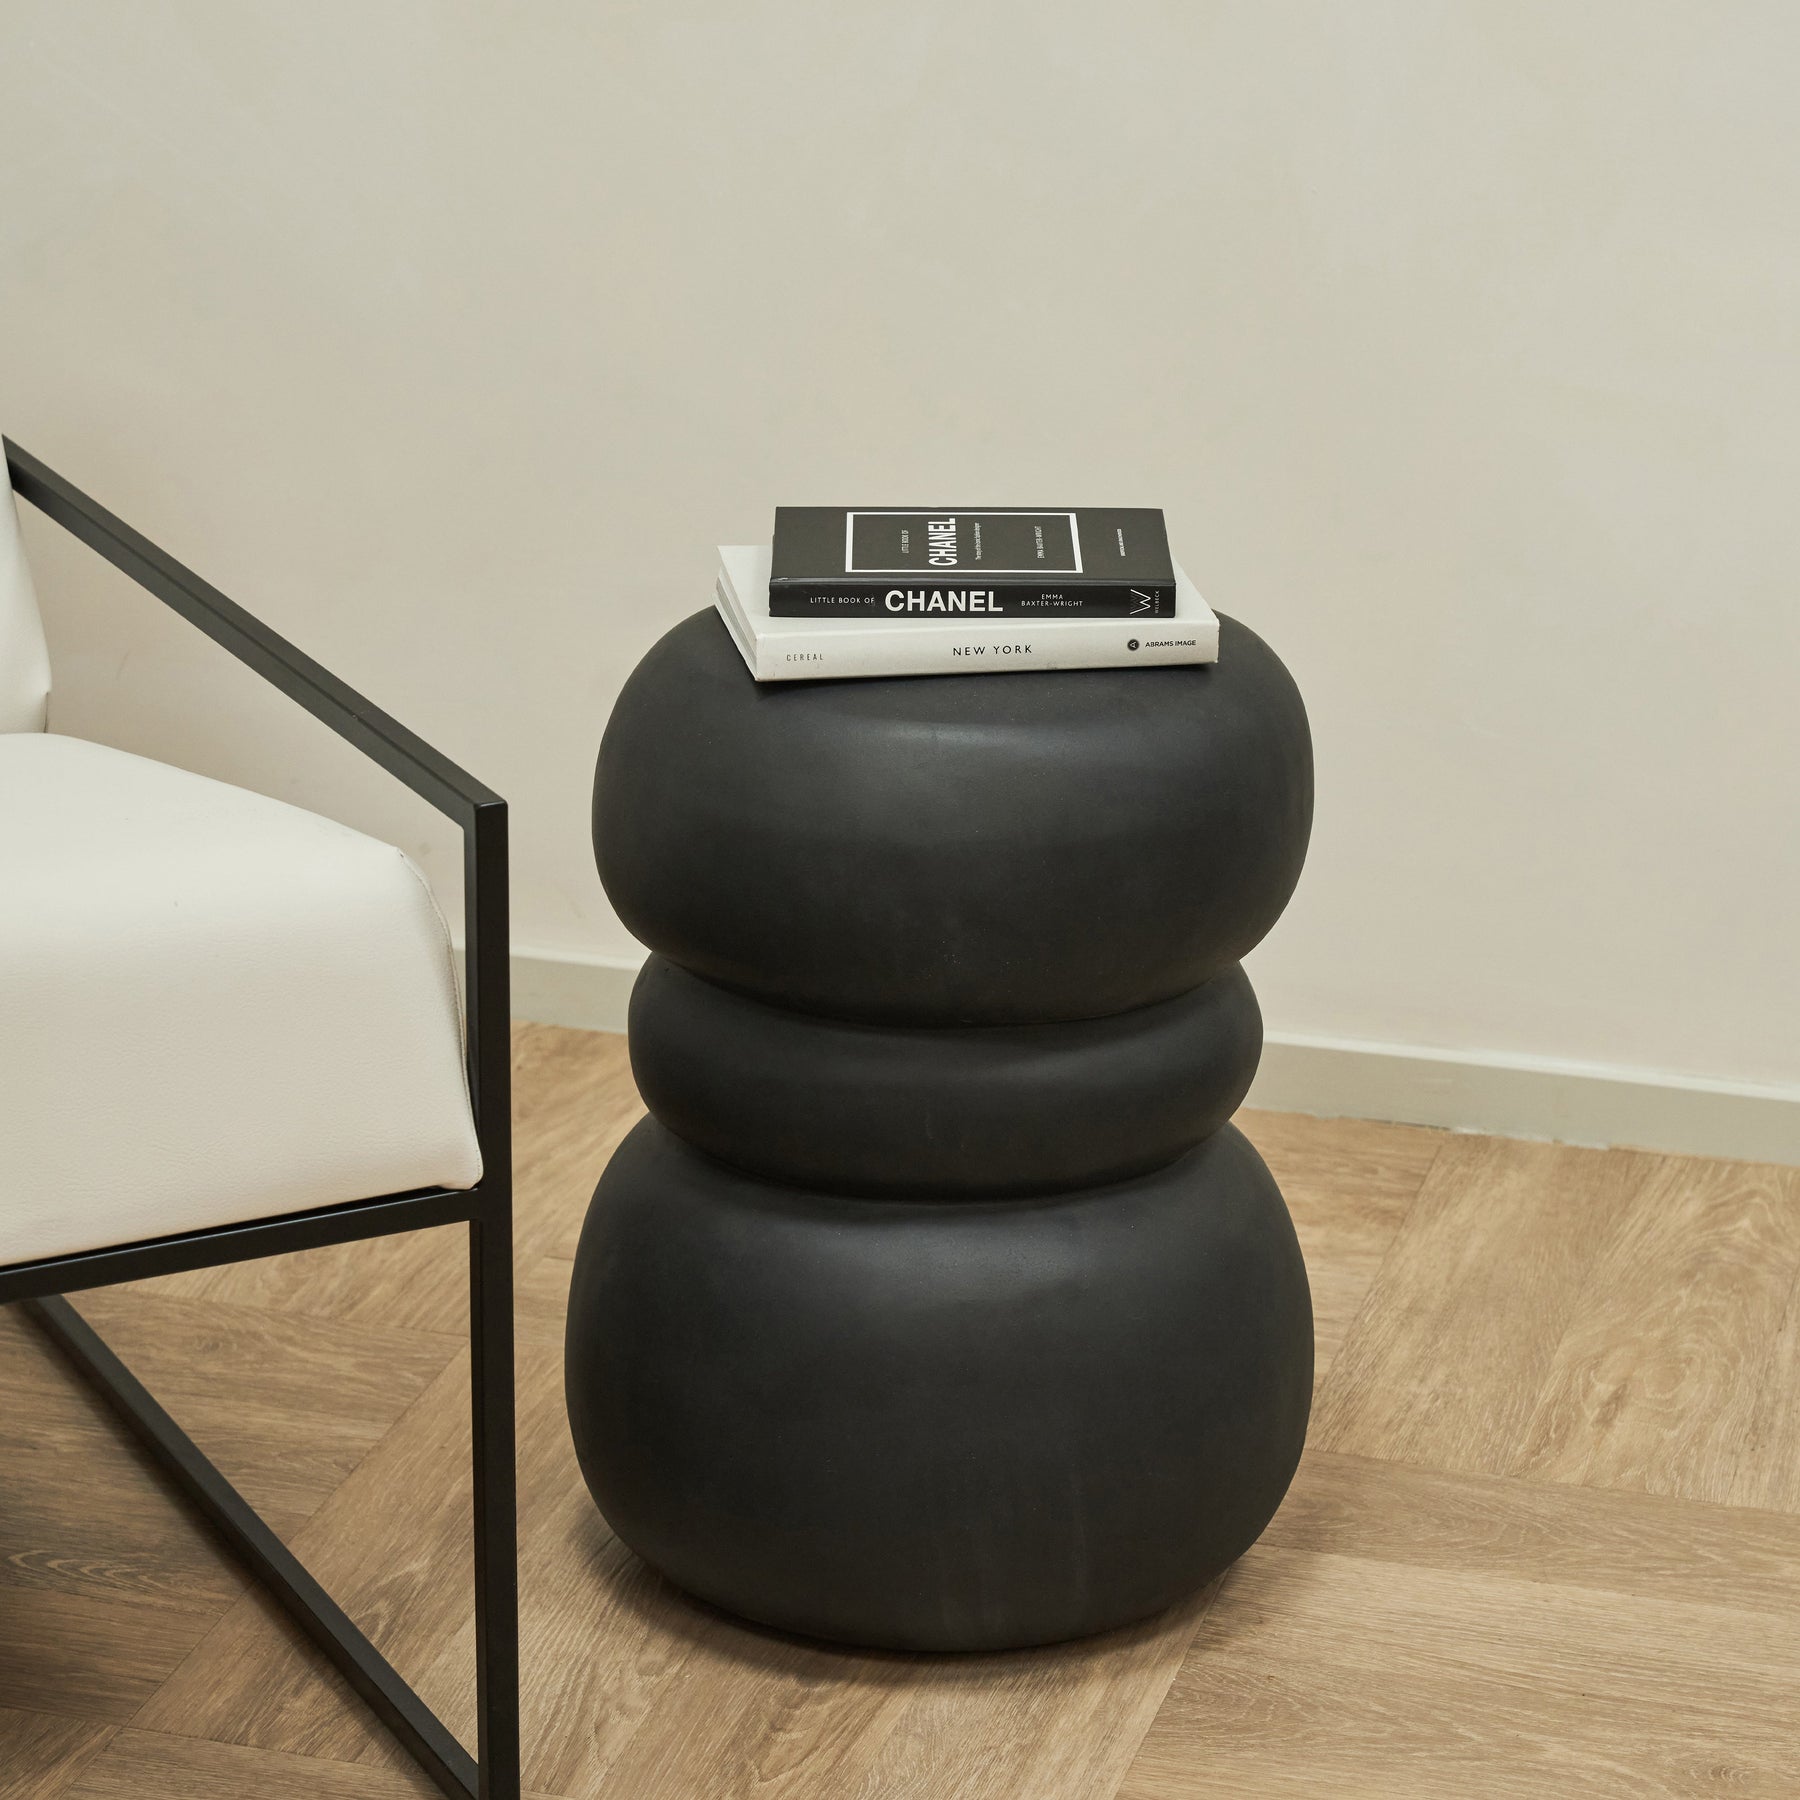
pixel 493 1773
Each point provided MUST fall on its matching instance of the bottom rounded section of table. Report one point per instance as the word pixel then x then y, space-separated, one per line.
pixel 938 1425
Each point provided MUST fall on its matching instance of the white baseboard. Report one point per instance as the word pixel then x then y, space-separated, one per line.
pixel 1521 1097
pixel 591 993
pixel 1527 1097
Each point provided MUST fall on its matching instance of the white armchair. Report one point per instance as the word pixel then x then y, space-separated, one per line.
pixel 230 1028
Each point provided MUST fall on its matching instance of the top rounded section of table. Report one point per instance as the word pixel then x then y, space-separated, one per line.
pixel 967 849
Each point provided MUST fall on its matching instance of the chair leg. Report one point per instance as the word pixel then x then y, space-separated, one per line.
pixel 372 1676
pixel 496 1515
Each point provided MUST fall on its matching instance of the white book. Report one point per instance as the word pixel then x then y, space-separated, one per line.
pixel 828 649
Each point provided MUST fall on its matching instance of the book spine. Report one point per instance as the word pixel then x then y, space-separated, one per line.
pixel 918 599
pixel 939 649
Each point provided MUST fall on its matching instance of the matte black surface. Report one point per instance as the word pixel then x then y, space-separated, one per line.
pixel 832 561
pixel 992 1110
pixel 937 1307
pixel 953 850
pixel 938 1427
pixel 486 1208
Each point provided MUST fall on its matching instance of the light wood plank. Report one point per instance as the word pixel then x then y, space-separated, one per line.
pixel 127 1538
pixel 1670 1378
pixel 1456 1338
pixel 1771 1470
pixel 148 1765
pixel 90 1656
pixel 631 1687
pixel 541 1300
pixel 576 1101
pixel 285 1408
pixel 1641 1544
pixel 105 1584
pixel 1411 1633
pixel 41 1755
pixel 1608 1318
pixel 1349 1184
pixel 417 1282
pixel 392 1548
pixel 1063 1722
pixel 132 1541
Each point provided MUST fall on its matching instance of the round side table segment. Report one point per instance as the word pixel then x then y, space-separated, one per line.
pixel 936 1305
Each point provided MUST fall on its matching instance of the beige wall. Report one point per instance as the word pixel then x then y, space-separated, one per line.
pixel 1458 341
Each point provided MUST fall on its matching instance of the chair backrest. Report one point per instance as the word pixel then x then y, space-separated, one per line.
pixel 24 662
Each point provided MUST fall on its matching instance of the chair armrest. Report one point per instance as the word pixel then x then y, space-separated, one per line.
pixel 477 809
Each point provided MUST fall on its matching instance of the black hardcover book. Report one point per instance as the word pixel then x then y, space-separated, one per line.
pixel 1097 562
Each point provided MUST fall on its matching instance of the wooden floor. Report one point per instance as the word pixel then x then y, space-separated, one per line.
pixel 1546 1539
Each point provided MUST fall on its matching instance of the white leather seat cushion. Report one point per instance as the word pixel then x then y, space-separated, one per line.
pixel 213 1007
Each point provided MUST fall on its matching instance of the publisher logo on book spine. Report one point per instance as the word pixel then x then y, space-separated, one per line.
pixel 1131 643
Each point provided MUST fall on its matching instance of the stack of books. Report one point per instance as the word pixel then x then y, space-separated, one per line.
pixel 846 591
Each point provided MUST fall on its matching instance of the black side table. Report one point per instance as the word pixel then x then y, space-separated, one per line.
pixel 937 1306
